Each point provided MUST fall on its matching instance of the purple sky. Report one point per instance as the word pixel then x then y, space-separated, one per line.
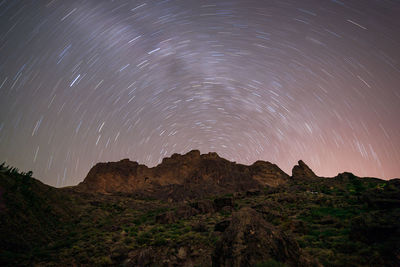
pixel 89 81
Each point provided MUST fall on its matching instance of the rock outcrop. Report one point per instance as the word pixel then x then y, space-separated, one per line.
pixel 180 177
pixel 250 240
pixel 302 171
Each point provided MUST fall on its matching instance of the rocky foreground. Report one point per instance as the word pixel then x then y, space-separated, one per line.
pixel 200 210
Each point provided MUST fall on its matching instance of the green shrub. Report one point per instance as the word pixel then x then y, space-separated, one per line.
pixel 103 261
pixel 270 263
pixel 143 238
pixel 160 241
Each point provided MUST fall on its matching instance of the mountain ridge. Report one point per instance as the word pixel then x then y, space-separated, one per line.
pixel 199 174
pixel 199 210
pixel 190 175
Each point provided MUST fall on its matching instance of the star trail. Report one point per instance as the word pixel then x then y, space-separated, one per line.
pixel 83 82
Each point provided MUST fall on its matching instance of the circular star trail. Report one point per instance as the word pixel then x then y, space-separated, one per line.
pixel 83 82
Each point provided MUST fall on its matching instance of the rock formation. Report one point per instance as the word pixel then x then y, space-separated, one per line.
pixel 250 240
pixel 302 171
pixel 182 176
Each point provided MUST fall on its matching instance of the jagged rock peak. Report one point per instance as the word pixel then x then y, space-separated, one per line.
pixel 176 158
pixel 212 155
pixel 302 171
pixel 182 176
pixel 264 163
pixel 193 153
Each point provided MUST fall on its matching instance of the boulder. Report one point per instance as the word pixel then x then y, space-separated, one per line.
pixel 250 240
pixel 221 226
pixel 223 202
pixel 166 217
pixel 203 206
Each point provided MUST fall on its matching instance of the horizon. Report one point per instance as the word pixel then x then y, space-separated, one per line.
pixel 289 173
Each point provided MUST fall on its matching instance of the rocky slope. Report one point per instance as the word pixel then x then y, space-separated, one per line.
pixel 231 215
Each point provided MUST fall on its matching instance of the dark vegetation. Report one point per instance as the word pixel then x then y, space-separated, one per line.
pixel 341 221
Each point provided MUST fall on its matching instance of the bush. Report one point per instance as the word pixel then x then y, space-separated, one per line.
pixel 160 240
pixel 143 238
pixel 103 261
pixel 270 263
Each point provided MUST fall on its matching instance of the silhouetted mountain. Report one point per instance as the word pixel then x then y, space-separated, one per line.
pixel 182 177
pixel 199 210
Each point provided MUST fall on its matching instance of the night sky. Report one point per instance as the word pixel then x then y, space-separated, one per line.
pixel 83 82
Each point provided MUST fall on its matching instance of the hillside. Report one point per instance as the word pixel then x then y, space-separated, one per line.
pixel 200 210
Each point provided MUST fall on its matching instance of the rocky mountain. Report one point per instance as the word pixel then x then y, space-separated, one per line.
pixel 302 171
pixel 199 210
pixel 182 177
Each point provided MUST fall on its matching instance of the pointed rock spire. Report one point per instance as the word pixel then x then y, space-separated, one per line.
pixel 302 171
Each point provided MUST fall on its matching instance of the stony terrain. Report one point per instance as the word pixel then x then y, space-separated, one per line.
pixel 200 210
